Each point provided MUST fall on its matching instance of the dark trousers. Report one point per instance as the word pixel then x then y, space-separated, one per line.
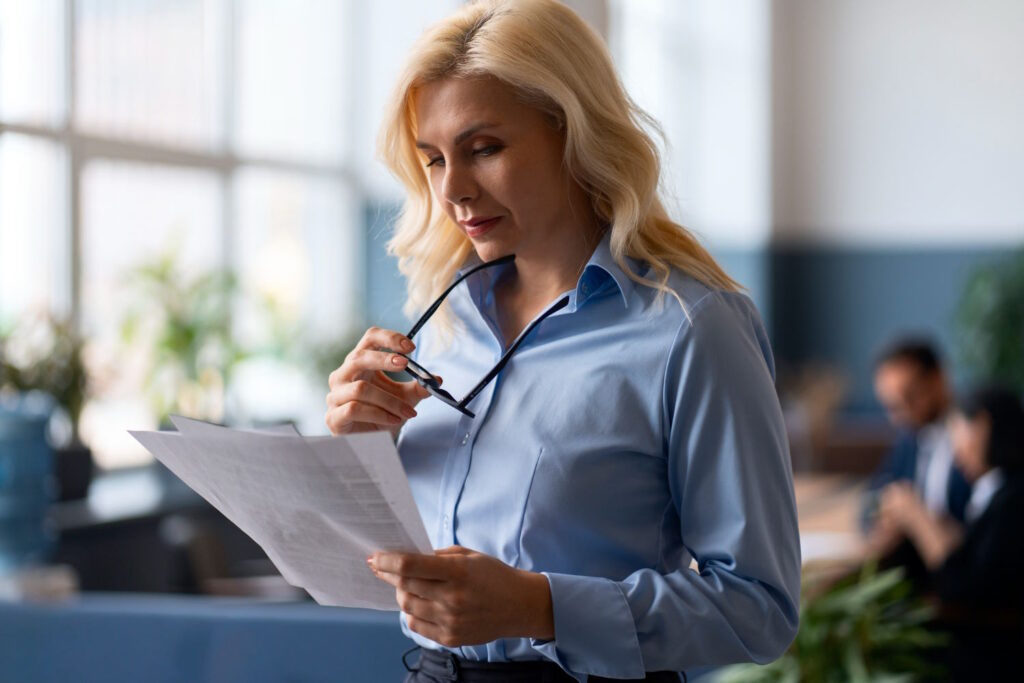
pixel 443 667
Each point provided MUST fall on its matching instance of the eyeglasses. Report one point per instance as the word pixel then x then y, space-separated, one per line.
pixel 428 380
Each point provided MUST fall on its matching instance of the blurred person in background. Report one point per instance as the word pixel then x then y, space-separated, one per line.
pixel 912 386
pixel 975 569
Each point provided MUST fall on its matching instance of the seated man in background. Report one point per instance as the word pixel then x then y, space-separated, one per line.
pixel 912 386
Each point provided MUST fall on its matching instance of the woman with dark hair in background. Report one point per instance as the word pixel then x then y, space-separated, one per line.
pixel 977 570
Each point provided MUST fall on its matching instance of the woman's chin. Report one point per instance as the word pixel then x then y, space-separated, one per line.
pixel 490 249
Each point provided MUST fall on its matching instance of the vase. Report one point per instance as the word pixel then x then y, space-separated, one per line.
pixel 26 482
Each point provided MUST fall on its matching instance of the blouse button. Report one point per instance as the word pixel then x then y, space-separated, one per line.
pixel 465 439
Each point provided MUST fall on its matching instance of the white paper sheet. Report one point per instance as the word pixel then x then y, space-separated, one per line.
pixel 318 506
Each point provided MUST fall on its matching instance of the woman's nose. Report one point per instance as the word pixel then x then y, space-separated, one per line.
pixel 458 186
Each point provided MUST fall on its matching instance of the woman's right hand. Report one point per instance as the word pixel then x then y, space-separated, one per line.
pixel 362 398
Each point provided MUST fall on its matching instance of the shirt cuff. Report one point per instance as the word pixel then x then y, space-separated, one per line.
pixel 594 629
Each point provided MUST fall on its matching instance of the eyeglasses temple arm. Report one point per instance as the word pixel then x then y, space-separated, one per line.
pixel 434 306
pixel 508 354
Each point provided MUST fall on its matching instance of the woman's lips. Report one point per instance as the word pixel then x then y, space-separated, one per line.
pixel 482 227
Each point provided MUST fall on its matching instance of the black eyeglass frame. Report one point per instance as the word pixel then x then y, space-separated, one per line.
pixel 428 380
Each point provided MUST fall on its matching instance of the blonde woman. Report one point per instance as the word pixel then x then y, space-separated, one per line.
pixel 607 411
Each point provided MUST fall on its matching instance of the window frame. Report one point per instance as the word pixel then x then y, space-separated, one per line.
pixel 81 148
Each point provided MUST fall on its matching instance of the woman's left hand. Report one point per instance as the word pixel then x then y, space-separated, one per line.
pixel 459 597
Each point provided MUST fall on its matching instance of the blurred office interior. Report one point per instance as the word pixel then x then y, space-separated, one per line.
pixel 192 221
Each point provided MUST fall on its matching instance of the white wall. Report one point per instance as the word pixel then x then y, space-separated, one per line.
pixel 702 69
pixel 899 122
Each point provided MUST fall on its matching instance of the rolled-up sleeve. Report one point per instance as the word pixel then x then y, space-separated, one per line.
pixel 731 486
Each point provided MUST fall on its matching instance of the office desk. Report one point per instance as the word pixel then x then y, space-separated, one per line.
pixel 828 507
pixel 132 534
pixel 174 639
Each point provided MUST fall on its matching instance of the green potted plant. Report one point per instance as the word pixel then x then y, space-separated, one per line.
pixel 990 321
pixel 868 626
pixel 45 354
pixel 185 324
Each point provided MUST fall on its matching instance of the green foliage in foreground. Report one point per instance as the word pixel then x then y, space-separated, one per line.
pixel 867 627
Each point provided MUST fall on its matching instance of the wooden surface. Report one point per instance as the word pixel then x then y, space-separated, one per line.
pixel 828 507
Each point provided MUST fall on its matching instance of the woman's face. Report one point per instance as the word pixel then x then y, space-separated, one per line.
pixel 495 166
pixel 970 443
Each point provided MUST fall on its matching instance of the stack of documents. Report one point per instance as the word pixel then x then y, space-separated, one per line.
pixel 318 506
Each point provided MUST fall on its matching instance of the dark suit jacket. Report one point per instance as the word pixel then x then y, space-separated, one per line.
pixel 981 588
pixel 901 464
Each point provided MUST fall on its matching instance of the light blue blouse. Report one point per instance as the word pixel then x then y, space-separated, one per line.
pixel 622 440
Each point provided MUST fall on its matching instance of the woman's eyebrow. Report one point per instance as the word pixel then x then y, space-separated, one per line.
pixel 475 128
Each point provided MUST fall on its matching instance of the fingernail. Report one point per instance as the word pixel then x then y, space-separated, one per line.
pixel 397 360
pixel 409 412
pixel 407 345
pixel 395 418
pixel 369 561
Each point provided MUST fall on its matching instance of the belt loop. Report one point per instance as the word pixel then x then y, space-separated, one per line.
pixel 405 662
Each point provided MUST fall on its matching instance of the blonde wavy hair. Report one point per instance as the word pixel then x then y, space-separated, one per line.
pixel 553 60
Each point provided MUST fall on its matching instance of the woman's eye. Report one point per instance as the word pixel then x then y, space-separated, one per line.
pixel 488 150
pixel 481 151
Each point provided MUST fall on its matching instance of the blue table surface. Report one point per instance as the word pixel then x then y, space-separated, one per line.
pixel 157 638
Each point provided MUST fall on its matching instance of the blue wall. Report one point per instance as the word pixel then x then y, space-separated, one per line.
pixel 840 305
pixel 752 269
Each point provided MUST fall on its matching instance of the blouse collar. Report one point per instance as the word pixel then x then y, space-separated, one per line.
pixel 982 492
pixel 598 271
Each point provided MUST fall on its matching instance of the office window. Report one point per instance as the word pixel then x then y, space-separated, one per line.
pixel 33 56
pixel 34 253
pixel 214 129
pixel 291 252
pixel 702 70
pixel 151 71
pixel 133 213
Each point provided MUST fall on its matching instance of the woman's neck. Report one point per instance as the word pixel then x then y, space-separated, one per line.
pixel 536 278
pixel 539 275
